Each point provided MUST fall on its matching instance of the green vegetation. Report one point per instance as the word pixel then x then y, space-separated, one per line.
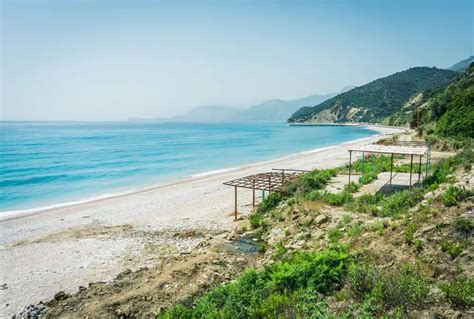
pixel 399 287
pixel 460 292
pixel 305 283
pixel 364 103
pixel 288 288
pixel 464 226
pixel 454 195
pixel 453 248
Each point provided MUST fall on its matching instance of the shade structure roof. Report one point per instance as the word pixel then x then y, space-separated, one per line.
pixel 407 149
pixel 270 181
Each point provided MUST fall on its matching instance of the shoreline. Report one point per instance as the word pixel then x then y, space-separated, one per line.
pixel 63 248
pixel 20 213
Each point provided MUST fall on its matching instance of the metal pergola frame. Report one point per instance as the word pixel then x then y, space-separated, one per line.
pixel 411 148
pixel 269 181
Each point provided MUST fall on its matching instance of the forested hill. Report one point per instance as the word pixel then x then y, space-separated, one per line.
pixel 450 112
pixel 378 99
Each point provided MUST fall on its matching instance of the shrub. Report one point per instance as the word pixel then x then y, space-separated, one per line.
pixel 270 202
pixel 280 250
pixel 334 235
pixel 397 287
pixel 400 202
pixel 452 248
pixel 366 204
pixel 336 199
pixel 346 219
pixel 287 288
pixel 454 195
pixel 410 232
pixel 355 229
pixel 256 220
pixel 379 226
pixel 460 292
pixel 313 180
pixel 463 226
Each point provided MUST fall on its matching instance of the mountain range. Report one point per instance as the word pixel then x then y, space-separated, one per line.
pixel 377 100
pixel 462 65
pixel 270 110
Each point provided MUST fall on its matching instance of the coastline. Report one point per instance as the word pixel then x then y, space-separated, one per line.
pixel 64 247
pixel 20 213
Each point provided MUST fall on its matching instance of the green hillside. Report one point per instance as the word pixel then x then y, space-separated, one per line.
pixel 447 112
pixel 378 99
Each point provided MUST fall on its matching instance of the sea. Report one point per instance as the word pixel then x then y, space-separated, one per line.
pixel 53 163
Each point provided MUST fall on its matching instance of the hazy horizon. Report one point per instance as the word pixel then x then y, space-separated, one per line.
pixel 111 61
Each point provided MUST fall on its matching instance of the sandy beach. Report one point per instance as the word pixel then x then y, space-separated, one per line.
pixel 63 248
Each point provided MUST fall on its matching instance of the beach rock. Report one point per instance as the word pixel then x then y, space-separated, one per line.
pixel 317 234
pixel 424 230
pixel 31 312
pixel 320 219
pixel 275 235
pixel 61 295
pixel 305 220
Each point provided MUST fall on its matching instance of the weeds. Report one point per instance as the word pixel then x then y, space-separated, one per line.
pixel 453 248
pixel 463 226
pixel 460 292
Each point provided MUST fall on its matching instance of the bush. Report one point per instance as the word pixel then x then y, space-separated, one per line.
pixel 463 226
pixel 256 220
pixel 287 288
pixel 379 227
pixel 270 202
pixel 398 287
pixel 334 235
pixel 314 180
pixel 454 195
pixel 366 204
pixel 410 232
pixel 337 199
pixel 355 229
pixel 400 202
pixel 452 248
pixel 460 292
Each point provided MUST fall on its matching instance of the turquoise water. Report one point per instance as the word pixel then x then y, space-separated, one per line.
pixel 49 163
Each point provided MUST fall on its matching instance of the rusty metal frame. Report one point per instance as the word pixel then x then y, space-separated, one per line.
pixel 269 181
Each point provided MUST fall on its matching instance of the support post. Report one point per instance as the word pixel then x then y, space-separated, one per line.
pixel 350 166
pixel 426 165
pixel 362 169
pixel 372 169
pixel 381 163
pixel 429 156
pixel 235 207
pixel 419 170
pixel 391 170
pixel 253 193
pixel 263 195
pixel 411 167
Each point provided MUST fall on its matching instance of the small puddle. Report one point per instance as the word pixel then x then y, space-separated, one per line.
pixel 243 245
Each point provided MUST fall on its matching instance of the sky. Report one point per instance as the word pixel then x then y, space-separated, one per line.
pixel 111 60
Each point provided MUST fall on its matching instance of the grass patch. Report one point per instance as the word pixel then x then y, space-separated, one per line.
pixel 334 235
pixel 460 292
pixel 453 248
